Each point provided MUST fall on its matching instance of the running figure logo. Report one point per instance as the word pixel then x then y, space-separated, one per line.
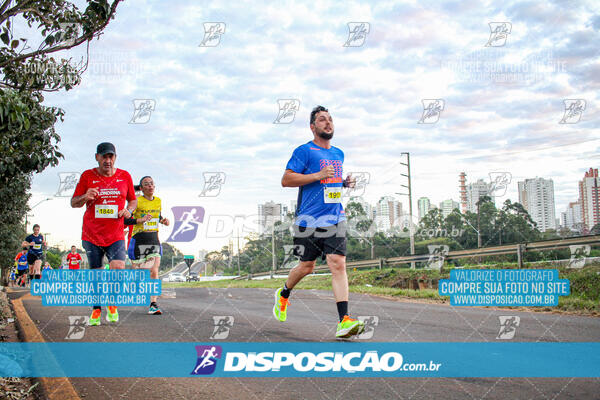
pixel 362 180
pixel 508 327
pixel 292 254
pixel 499 182
pixel 212 34
pixel 573 111
pixel 142 110
pixel 213 181
pixel 499 32
pixel 578 255
pixel 223 323
pixel 69 33
pixel 68 181
pixel 432 109
pixel 187 221
pixel 207 359
pixel 287 111
pixel 77 327
pixel 437 254
pixel 357 33
pixel 371 321
pixel 147 249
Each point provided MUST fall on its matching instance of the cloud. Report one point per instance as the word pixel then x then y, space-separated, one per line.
pixel 215 106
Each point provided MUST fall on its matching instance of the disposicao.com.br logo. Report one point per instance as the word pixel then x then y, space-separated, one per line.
pixel 328 362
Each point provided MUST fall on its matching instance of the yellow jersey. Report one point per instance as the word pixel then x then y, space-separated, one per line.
pixel 145 206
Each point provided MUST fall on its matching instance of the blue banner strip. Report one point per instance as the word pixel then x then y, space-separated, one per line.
pixel 339 359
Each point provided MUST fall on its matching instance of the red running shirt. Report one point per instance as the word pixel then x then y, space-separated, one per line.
pixel 73 260
pixel 101 224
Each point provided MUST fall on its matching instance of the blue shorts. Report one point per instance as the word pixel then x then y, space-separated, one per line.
pixel 95 254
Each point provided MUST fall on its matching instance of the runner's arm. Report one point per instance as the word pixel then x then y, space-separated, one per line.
pixel 294 179
pixel 79 201
pixel 132 205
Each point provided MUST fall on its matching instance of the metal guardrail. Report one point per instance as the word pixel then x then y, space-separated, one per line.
pixel 517 248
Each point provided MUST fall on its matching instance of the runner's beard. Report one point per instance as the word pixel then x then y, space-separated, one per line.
pixel 326 136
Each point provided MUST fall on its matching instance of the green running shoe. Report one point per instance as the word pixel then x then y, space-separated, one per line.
pixel 349 327
pixel 95 318
pixel 112 315
pixel 280 307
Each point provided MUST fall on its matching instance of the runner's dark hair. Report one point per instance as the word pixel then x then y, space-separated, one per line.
pixel 314 112
pixel 137 188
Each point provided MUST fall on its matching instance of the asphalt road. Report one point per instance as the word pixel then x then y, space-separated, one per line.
pixel 312 317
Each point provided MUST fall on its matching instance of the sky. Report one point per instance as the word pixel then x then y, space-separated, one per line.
pixel 214 105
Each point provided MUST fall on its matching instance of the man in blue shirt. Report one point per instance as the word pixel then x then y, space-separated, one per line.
pixel 320 228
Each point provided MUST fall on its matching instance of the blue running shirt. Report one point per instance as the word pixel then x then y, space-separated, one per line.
pixel 37 247
pixel 319 202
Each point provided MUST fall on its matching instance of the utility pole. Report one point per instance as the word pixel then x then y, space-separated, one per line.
pixel 273 248
pixel 45 248
pixel 409 194
pixel 230 248
pixel 478 227
pixel 238 252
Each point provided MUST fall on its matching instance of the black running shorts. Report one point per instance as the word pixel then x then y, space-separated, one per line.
pixel 311 243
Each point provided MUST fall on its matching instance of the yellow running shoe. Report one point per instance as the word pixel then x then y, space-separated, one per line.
pixel 280 307
pixel 95 317
pixel 349 327
pixel 113 314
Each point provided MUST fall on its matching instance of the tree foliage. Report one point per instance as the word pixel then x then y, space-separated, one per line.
pixel 28 138
pixel 54 257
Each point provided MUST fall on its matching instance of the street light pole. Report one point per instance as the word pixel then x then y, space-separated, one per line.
pixel 37 204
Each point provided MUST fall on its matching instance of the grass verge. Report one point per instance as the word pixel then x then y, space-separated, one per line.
pixel 389 282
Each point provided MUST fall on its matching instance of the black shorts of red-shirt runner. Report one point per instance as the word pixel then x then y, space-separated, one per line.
pixel 312 243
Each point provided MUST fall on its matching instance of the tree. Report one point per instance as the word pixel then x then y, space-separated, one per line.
pixel 515 224
pixel 28 139
pixel 170 254
pixel 360 233
pixel 432 221
pixel 54 257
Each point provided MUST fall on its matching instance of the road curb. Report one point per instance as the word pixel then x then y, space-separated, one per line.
pixel 53 388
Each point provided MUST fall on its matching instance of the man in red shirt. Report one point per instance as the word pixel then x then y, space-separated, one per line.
pixel 104 190
pixel 73 258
